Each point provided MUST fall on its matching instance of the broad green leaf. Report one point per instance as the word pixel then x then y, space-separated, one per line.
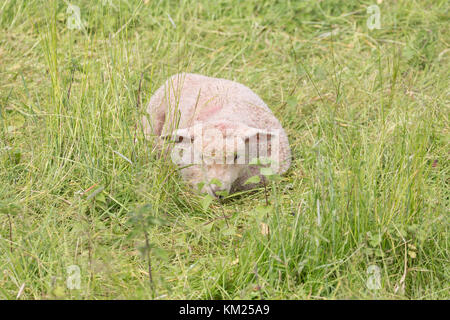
pixel 266 171
pixel 200 186
pixel 206 201
pixel 216 181
pixel 59 292
pixel 375 240
pixel 101 197
pixel 254 179
pixel 207 227
pixel 379 253
pixel 222 193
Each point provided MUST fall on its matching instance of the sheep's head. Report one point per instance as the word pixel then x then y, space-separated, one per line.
pixel 212 156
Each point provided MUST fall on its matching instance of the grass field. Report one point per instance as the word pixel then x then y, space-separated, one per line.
pixel 361 214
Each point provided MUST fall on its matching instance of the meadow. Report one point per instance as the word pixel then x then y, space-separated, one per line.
pixel 89 211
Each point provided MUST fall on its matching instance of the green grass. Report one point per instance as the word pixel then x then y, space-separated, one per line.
pixel 366 112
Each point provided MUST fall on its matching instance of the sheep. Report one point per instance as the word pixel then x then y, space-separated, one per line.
pixel 218 130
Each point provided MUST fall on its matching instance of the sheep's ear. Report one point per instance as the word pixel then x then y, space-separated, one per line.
pixel 177 136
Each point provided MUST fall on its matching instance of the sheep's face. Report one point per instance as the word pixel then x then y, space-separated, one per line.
pixel 212 156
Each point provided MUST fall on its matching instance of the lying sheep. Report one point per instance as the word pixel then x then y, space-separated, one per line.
pixel 217 130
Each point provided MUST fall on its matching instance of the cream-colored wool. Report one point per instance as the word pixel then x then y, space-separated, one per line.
pixel 187 102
